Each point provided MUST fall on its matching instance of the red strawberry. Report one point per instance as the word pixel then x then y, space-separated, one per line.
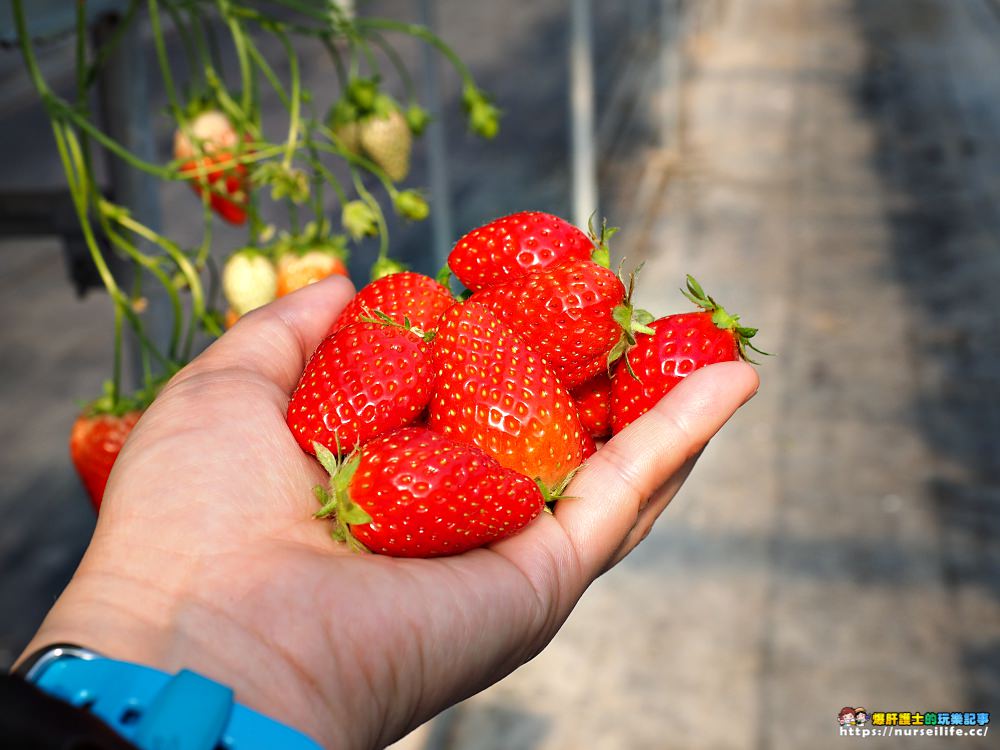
pixel 496 392
pixel 362 381
pixel 415 493
pixel 574 314
pixel 679 345
pixel 400 295
pixel 207 149
pixel 593 404
pixel 508 247
pixel 94 444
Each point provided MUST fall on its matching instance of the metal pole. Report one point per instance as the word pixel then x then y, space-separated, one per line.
pixel 671 41
pixel 437 154
pixel 581 113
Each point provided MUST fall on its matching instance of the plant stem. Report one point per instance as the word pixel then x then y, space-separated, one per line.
pixel 422 33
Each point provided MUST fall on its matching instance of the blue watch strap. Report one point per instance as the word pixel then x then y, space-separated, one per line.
pixel 155 710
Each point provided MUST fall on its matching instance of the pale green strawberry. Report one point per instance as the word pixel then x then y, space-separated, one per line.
pixel 386 139
pixel 249 280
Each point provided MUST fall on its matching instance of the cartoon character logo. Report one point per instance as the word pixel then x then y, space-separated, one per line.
pixel 860 716
pixel 847 717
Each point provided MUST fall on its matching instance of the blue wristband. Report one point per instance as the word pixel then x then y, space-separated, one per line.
pixel 156 710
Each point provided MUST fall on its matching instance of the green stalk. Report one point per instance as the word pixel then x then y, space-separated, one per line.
pixel 239 43
pixel 268 72
pixel 338 61
pixel 101 56
pixel 152 265
pixel 192 53
pixel 159 43
pixel 296 97
pixel 184 265
pixel 383 229
pixel 422 33
pixel 389 51
pixel 59 107
pixel 356 160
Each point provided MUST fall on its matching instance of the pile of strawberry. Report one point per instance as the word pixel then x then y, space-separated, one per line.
pixel 446 424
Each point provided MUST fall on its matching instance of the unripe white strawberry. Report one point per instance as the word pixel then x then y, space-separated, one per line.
pixel 249 280
pixel 386 139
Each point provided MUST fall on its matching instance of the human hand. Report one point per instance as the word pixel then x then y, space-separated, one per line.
pixel 206 555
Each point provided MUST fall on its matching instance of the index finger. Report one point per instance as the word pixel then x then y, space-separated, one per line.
pixel 615 483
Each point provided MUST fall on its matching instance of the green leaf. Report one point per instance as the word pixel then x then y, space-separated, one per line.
pixel 347 471
pixel 329 503
pixel 352 514
pixel 617 351
pixel 622 315
pixel 643 317
pixel 322 496
pixel 444 276
pixel 326 457
pixel 695 287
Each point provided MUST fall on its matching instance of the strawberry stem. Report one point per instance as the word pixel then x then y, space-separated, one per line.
pixel 723 319
pixel 602 249
pixel 377 316
pixel 630 320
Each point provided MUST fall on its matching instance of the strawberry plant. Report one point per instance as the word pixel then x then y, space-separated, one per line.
pixel 343 145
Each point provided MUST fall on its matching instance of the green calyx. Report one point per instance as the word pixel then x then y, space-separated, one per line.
pixel 335 499
pixel 386 266
pixel 359 219
pixel 411 205
pixel 377 316
pixel 722 319
pixel 602 248
pixel 632 321
pixel 484 117
pixel 417 119
pixel 363 93
pixel 117 405
pixel 316 236
pixel 552 495
pixel 444 276
pixel 285 181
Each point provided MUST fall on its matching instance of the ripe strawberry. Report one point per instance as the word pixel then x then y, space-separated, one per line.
pixel 385 138
pixel 300 268
pixel 412 296
pixel 508 247
pixel 593 404
pixel 207 149
pixel 94 444
pixel 249 280
pixel 496 392
pixel 415 493
pixel 362 381
pixel 679 345
pixel 574 314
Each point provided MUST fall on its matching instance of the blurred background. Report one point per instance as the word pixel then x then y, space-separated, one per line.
pixel 829 169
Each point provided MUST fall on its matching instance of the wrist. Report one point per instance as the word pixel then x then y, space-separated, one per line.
pixel 169 624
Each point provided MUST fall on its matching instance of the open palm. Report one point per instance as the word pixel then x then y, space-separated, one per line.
pixel 206 555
